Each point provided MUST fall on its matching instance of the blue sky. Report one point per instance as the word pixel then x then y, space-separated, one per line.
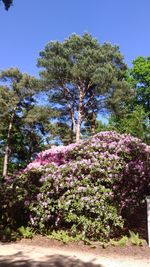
pixel 30 24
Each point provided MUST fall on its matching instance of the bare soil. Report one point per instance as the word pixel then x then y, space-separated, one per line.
pixel 44 252
pixel 129 250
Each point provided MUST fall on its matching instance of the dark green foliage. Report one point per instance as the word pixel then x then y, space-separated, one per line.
pixel 24 124
pixel 14 194
pixel 16 97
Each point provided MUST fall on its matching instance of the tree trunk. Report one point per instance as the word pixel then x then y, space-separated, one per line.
pixel 78 128
pixel 93 123
pixel 73 123
pixel 71 133
pixel 7 150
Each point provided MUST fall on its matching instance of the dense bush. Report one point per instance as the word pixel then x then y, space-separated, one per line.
pixel 87 187
pixel 71 198
pixel 14 194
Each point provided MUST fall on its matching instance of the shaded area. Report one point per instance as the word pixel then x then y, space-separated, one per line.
pixel 18 259
pixel 137 223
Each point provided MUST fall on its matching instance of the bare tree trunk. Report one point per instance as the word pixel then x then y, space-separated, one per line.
pixel 93 123
pixel 7 150
pixel 78 128
pixel 73 123
pixel 71 133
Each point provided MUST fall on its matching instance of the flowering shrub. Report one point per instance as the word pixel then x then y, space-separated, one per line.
pixel 130 183
pixel 55 155
pixel 87 186
pixel 77 200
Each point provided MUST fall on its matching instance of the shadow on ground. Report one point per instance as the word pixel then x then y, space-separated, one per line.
pixel 51 261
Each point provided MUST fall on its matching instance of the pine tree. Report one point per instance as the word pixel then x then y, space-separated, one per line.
pixel 16 96
pixel 84 75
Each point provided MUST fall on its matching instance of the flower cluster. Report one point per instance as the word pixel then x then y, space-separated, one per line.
pixel 54 155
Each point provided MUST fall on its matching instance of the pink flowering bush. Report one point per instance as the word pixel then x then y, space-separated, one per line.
pixel 87 187
pixel 54 155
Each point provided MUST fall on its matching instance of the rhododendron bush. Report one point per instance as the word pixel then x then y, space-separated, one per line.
pixel 87 187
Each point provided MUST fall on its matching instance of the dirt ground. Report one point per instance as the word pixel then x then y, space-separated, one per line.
pixel 41 251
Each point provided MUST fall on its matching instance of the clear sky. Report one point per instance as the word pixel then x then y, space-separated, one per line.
pixel 30 24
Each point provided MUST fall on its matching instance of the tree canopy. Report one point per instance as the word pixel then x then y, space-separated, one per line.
pixel 23 122
pixel 140 78
pixel 83 77
pixel 135 117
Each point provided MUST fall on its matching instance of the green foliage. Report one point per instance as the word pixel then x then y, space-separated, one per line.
pixel 100 126
pixel 134 117
pixel 140 79
pixel 135 240
pixel 135 123
pixel 26 232
pixel 124 240
pixel 8 234
pixel 13 197
pixel 63 236
pixel 121 242
pixel 82 77
pixel 24 124
pixel 139 107
pixel 16 97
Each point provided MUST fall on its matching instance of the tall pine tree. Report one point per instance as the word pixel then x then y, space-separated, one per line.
pixel 83 75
